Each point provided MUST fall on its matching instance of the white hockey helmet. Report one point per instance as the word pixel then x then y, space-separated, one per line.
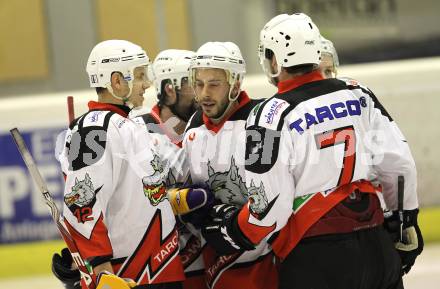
pixel 293 39
pixel 172 64
pixel 222 55
pixel 329 48
pixel 115 55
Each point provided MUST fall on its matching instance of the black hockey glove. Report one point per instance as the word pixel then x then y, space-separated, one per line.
pixel 412 241
pixel 62 269
pixel 222 233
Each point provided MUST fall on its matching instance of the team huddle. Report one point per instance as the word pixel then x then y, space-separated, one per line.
pixel 214 189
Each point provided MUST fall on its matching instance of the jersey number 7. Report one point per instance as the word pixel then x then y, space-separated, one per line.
pixel 344 135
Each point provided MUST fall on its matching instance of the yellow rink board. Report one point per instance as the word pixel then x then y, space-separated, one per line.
pixel 28 258
pixel 35 258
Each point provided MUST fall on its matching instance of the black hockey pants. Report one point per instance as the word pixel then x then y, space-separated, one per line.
pixel 359 260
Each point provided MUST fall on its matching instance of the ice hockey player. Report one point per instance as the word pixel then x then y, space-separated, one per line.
pixel 175 96
pixel 166 123
pixel 115 203
pixel 328 66
pixel 170 67
pixel 329 59
pixel 315 147
pixel 214 143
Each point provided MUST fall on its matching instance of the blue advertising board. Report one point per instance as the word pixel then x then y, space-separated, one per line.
pixel 23 214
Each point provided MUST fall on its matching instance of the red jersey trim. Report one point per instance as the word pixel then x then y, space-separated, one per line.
pixel 259 274
pixel 286 85
pixel 94 105
pixel 243 99
pixel 155 113
pixel 155 259
pixel 254 233
pixel 98 244
pixel 312 211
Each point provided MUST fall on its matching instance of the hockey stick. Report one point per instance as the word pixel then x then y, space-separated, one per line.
pixel 400 194
pixel 70 109
pixel 86 275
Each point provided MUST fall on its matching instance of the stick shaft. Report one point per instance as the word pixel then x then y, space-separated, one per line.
pixel 70 109
pixel 42 186
pixel 400 195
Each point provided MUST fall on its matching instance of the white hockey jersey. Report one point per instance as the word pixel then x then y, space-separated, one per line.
pixel 169 148
pixel 216 157
pixel 310 146
pixel 115 204
pixel 167 143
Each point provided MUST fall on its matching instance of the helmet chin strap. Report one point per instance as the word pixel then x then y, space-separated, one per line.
pixel 232 101
pixel 125 99
pixel 271 77
pixel 232 82
pixel 218 119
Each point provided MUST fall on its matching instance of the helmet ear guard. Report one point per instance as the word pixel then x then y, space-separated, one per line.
pixel 266 58
pixel 233 79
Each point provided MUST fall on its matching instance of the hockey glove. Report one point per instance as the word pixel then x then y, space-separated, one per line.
pixel 188 199
pixel 192 203
pixel 411 244
pixel 62 269
pixel 222 233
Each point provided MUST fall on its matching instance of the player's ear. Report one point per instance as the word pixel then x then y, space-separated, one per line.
pixel 236 88
pixel 274 64
pixel 116 80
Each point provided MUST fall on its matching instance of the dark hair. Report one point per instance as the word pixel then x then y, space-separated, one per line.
pixel 297 69
pixel 100 90
pixel 162 95
pixel 301 69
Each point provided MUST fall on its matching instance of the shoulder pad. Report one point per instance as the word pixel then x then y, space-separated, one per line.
pixel 349 81
pixel 244 112
pixel 98 118
pixel 195 121
pixel 353 83
pixel 270 113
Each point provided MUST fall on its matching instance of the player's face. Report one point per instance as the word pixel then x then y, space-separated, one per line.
pixel 186 105
pixel 140 84
pixel 212 91
pixel 326 66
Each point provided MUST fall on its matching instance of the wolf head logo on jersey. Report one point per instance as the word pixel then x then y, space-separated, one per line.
pixel 82 193
pixel 154 184
pixel 82 197
pixel 257 198
pixel 227 186
pixel 259 206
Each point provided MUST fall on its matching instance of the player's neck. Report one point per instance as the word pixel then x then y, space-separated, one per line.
pixel 228 111
pixel 284 75
pixel 107 97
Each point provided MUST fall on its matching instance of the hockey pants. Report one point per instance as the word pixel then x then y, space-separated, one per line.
pixel 363 259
